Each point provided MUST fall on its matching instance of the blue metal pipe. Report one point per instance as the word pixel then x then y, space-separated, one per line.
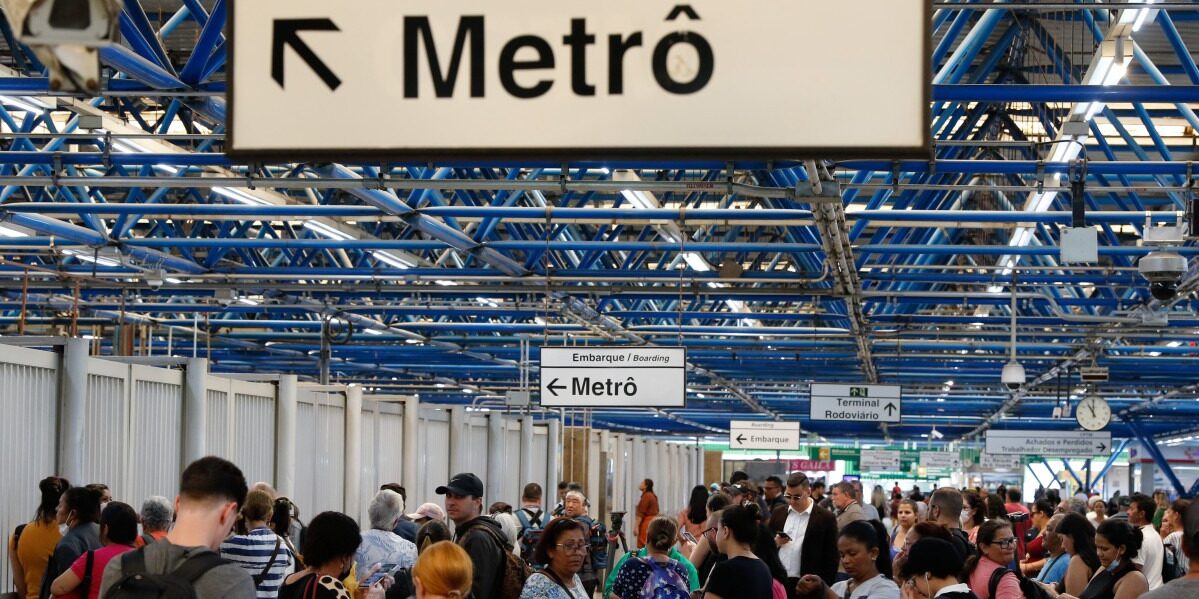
pixel 1067 93
pixel 126 61
pixel 1158 458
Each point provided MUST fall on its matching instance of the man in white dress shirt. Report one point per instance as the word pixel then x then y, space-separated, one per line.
pixel 1140 515
pixel 807 535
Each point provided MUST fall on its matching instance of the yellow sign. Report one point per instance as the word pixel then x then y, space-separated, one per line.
pixel 825 454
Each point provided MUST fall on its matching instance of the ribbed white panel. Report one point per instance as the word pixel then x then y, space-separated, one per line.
pixel 476 452
pixel 320 453
pixel 155 449
pixel 104 435
pixel 390 445
pixel 28 388
pixel 435 454
pixel 217 438
pixel 306 452
pixel 549 488
pixel 254 434
pixel 510 484
pixel 370 458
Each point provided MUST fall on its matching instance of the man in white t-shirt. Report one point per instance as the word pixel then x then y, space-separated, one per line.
pixel 1140 515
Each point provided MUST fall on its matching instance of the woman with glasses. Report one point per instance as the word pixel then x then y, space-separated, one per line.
pixel 931 571
pixel 997 546
pixel 563 550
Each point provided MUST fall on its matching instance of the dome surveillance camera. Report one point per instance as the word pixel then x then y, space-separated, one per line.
pixel 1163 270
pixel 1013 375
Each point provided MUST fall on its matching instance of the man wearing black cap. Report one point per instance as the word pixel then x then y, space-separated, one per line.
pixel 1186 587
pixel 479 535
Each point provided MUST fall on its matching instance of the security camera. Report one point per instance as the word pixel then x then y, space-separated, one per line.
pixel 66 36
pixel 1013 375
pixel 154 278
pixel 1163 270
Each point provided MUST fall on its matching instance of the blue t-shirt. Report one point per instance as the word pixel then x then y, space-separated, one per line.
pixel 1055 569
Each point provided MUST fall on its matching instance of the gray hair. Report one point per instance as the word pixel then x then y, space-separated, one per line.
pixel 157 514
pixel 577 495
pixel 385 509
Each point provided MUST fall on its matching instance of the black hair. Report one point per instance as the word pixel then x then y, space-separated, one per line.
pixel 553 532
pixel 120 522
pixel 939 558
pixel 767 550
pixel 1122 534
pixel 742 522
pixel 995 508
pixel 774 479
pixel 717 502
pixel 52 488
pixel 1145 504
pixel 931 530
pixel 978 507
pixel 649 486
pixel 818 485
pixel 331 535
pixel 1043 506
pixel 532 492
pixel 431 533
pixel 737 477
pixel 697 508
pixel 397 488
pixel 213 478
pixel 873 535
pixel 1082 532
pixel 986 536
pixel 85 503
pixel 281 516
pixel 562 485
pixel 1014 495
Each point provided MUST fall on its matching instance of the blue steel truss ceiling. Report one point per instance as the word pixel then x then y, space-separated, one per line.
pixel 443 279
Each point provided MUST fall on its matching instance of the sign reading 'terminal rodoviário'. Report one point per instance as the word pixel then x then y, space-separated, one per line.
pixel 572 78
pixel 856 403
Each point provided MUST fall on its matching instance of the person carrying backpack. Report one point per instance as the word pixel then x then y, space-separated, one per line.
pixel 655 576
pixel 576 508
pixel 498 572
pixel 532 521
pixel 185 564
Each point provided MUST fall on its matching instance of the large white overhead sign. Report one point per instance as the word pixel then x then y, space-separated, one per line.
pixel 1055 444
pixel 861 403
pixel 879 460
pixel 579 377
pixel 940 460
pixel 751 434
pixel 558 78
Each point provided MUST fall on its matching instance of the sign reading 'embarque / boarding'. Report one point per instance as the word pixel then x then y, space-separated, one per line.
pixel 579 377
pixel 573 78
pixel 764 434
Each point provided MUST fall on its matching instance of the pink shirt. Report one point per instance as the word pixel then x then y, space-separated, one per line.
pixel 1009 587
pixel 101 559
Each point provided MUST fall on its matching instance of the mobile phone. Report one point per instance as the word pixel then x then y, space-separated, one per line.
pixel 783 534
pixel 384 570
pixel 690 538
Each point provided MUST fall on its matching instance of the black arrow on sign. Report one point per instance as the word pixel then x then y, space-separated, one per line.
pixel 1102 447
pixel 287 33
pixel 554 386
pixel 740 439
pixel 890 409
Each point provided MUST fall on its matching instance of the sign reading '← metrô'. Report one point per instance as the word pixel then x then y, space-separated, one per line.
pixel 856 403
pixel 754 434
pixel 580 377
pixel 558 78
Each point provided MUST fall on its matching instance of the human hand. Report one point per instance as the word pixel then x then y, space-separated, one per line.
pixel 810 584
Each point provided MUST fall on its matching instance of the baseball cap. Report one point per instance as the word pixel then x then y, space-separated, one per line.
pixel 428 510
pixel 465 483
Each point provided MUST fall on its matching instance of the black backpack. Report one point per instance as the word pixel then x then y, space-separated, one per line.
pixel 1172 567
pixel 1028 588
pixel 137 583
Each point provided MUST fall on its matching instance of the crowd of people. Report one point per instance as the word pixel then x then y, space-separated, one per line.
pixel 788 538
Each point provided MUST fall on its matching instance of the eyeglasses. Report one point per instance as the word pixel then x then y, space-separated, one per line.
pixel 707 530
pixel 793 497
pixel 1008 542
pixel 572 547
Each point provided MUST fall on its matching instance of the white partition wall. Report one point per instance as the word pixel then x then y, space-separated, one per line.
pixel 382 449
pixel 28 398
pixel 241 426
pixel 474 456
pixel 433 460
pixel 320 452
pixel 154 455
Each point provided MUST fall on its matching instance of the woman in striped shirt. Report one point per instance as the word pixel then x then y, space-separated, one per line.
pixel 260 551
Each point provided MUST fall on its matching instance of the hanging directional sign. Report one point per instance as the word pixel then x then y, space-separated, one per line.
pixel 1057 444
pixel 754 434
pixel 999 461
pixel 940 460
pixel 860 403
pixel 579 377
pixel 880 460
pixel 554 78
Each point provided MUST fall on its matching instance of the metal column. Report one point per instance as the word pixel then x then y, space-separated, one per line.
pixel 1145 484
pixel 286 408
pixel 554 450
pixel 409 475
pixel 195 409
pixel 457 439
pixel 526 452
pixel 353 471
pixel 497 444
pixel 72 411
